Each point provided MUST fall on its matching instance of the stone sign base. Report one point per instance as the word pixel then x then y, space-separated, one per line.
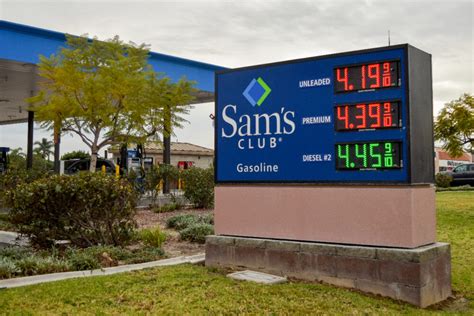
pixel 387 216
pixel 420 276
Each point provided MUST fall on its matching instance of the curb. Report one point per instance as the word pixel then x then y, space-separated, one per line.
pixel 37 279
pixel 8 238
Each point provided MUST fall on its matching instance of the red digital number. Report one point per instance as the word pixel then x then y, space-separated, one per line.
pixel 363 84
pixel 344 117
pixel 387 114
pixel 374 112
pixel 362 116
pixel 386 79
pixel 374 73
pixel 344 79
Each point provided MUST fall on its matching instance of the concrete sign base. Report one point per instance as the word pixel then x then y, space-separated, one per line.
pixel 420 276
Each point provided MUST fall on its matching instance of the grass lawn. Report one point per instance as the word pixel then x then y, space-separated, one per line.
pixel 192 289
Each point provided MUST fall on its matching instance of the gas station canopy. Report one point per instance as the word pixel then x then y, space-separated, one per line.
pixel 21 46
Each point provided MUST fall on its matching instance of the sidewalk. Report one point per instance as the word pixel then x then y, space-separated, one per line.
pixel 16 282
pixel 10 239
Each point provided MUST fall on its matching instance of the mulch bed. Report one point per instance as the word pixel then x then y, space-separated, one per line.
pixel 173 246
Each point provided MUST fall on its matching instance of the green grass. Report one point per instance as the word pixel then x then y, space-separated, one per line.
pixel 455 215
pixel 189 289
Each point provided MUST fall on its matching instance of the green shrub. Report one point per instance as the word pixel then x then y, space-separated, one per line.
pixel 152 237
pixel 199 186
pixel 35 264
pixel 206 219
pixel 5 223
pixel 14 177
pixel 145 255
pixel 197 232
pixel 82 260
pixel 87 209
pixel 182 221
pixel 28 265
pixel 15 252
pixel 8 268
pixel 466 187
pixel 167 208
pixel 443 180
pixel 154 176
pixel 76 154
pixel 18 261
pixel 52 265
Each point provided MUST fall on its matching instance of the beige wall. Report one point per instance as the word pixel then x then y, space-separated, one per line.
pixel 199 161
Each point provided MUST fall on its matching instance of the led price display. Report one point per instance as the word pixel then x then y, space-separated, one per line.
pixel 362 117
pixel 373 115
pixel 367 76
pixel 368 155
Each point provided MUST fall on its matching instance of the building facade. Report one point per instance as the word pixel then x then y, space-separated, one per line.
pixel 183 155
pixel 444 162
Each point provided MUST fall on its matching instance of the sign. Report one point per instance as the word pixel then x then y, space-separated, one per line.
pixel 339 118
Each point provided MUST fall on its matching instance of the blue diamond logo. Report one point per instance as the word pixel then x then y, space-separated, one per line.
pixel 257 91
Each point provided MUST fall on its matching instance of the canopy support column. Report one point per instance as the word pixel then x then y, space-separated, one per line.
pixel 29 147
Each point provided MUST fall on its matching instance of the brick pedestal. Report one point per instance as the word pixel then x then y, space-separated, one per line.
pixel 420 276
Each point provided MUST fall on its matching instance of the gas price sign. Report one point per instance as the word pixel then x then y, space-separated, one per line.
pixel 367 76
pixel 343 118
pixel 372 115
pixel 376 155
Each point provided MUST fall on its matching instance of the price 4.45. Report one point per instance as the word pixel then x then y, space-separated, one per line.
pixel 368 155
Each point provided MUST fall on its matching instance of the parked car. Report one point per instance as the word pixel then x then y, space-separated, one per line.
pixel 84 165
pixel 462 174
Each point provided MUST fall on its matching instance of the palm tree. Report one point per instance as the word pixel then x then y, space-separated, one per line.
pixel 17 152
pixel 44 148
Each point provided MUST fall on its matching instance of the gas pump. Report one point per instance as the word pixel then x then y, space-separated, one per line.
pixel 3 159
pixel 123 159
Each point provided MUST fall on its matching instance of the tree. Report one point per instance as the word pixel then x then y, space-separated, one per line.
pixel 455 125
pixel 90 86
pixel 16 158
pixel 17 161
pixel 44 148
pixel 173 98
pixel 76 154
pixel 100 91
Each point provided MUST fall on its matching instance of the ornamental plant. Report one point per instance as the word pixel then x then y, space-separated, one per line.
pixel 443 180
pixel 199 186
pixel 87 209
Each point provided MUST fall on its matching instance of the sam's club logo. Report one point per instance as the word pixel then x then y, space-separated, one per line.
pixel 257 91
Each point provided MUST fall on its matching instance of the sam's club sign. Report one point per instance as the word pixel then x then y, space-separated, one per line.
pixel 262 129
pixel 276 123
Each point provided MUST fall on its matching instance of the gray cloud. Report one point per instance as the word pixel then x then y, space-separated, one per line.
pixel 240 33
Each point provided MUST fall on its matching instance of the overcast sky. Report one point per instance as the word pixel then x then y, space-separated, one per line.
pixel 240 33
